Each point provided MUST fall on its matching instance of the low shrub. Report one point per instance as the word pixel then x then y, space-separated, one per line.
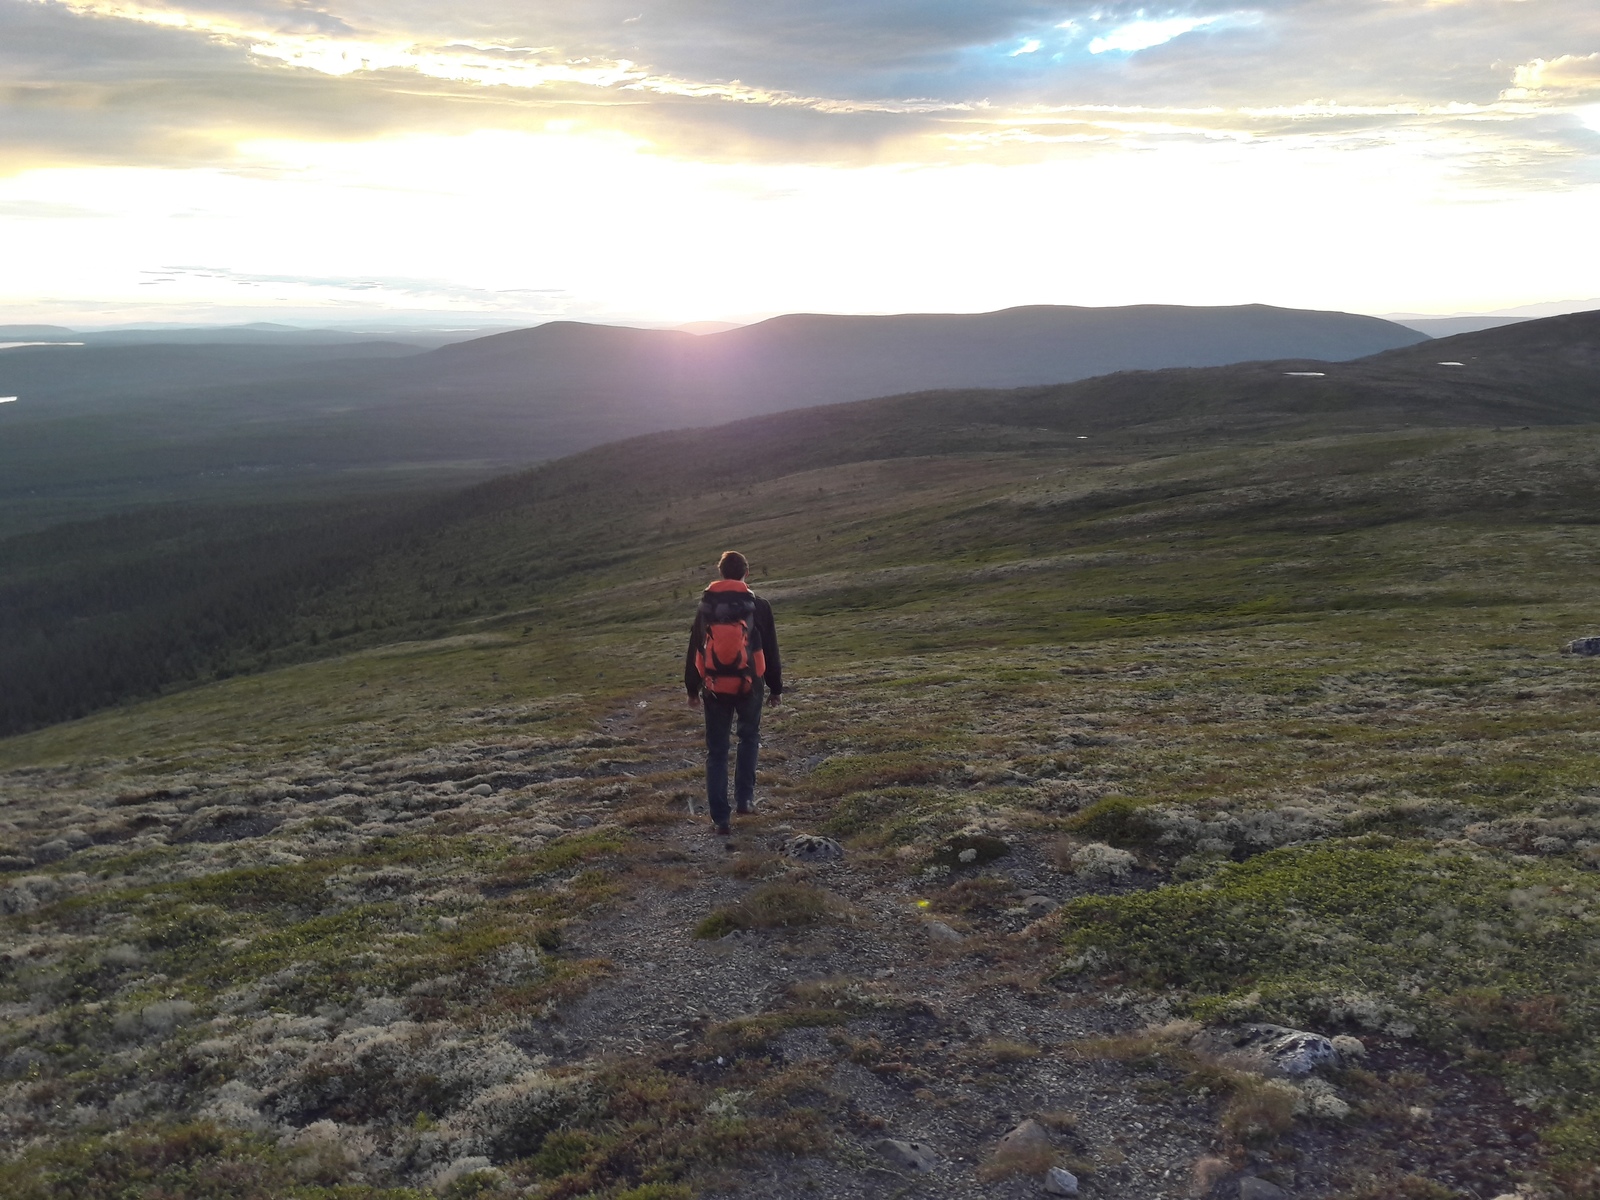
pixel 771 906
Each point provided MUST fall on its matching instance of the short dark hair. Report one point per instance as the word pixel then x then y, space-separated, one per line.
pixel 733 565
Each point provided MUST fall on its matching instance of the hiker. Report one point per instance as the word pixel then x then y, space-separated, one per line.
pixel 733 650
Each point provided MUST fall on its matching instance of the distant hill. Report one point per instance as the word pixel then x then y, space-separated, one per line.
pixel 112 424
pixel 28 333
pixel 1438 327
pixel 804 359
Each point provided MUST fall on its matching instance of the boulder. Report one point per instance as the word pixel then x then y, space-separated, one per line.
pixel 916 1157
pixel 1273 1049
pixel 1040 906
pixel 1025 1136
pixel 1583 645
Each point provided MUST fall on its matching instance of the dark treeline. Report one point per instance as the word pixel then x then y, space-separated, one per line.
pixel 95 614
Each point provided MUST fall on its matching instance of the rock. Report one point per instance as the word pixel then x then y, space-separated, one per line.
pixel 77 839
pixel 483 789
pixel 1039 906
pixel 1350 1049
pixel 970 849
pixel 1025 1136
pixel 1583 645
pixel 1251 1188
pixel 583 822
pixel 940 932
pixel 809 847
pixel 1059 1182
pixel 908 1156
pixel 1275 1048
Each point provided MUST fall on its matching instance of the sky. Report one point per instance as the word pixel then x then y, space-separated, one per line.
pixel 505 161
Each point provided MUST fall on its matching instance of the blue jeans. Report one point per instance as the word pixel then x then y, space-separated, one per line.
pixel 720 716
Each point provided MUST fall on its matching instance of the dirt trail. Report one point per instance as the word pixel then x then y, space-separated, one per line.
pixel 956 1035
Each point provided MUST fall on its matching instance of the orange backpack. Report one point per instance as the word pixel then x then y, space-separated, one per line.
pixel 730 658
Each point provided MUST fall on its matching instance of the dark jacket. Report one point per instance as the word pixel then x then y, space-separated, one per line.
pixel 766 632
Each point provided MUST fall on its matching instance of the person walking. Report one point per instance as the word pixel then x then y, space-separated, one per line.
pixel 733 651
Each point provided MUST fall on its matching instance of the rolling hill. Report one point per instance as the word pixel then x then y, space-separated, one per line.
pixel 104 426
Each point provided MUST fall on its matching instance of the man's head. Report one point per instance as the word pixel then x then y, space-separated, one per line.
pixel 733 565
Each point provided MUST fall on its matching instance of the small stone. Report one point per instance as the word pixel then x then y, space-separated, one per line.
pixel 1041 905
pixel 483 789
pixel 809 847
pixel 940 932
pixel 908 1156
pixel 1029 1134
pixel 970 849
pixel 1251 1188
pixel 1059 1182
pixel 583 822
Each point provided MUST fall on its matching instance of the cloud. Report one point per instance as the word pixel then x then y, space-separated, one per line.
pixel 364 291
pixel 1143 34
pixel 838 81
pixel 1570 75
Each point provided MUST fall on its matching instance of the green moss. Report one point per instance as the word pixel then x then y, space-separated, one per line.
pixel 1481 953
pixel 657 1191
pixel 771 906
pixel 1118 821
pixel 197 1161
pixel 859 772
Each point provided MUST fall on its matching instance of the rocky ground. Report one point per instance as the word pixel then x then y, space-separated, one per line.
pixel 519 964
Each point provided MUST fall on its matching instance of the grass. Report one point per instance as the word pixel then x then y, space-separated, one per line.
pixel 778 905
pixel 1315 686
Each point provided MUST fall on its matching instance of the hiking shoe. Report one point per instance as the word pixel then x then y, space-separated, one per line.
pixel 724 830
pixel 744 810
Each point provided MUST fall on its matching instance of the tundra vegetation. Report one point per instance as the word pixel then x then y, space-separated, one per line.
pixel 1126 741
